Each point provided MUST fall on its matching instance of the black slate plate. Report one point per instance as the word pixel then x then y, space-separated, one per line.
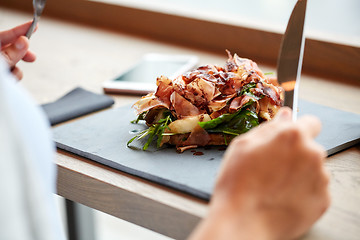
pixel 103 137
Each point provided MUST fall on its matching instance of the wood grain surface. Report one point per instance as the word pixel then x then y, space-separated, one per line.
pixel 71 55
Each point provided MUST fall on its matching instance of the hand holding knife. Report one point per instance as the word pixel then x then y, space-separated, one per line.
pixel 38 6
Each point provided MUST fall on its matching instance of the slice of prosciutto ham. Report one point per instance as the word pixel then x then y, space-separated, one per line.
pixel 183 107
pixel 238 102
pixel 148 102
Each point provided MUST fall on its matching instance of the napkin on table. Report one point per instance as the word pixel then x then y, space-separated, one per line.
pixel 76 103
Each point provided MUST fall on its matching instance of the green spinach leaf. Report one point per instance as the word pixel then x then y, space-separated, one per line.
pixel 227 117
pixel 243 121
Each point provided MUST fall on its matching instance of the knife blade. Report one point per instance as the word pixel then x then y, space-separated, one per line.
pixel 291 56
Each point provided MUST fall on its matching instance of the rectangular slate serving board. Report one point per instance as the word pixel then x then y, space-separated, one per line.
pixel 102 138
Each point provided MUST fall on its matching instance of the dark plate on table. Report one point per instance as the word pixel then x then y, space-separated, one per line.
pixel 102 138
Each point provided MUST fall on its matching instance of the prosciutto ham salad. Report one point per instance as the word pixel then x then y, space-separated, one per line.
pixel 208 106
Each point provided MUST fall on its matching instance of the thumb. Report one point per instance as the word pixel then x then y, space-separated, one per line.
pixel 284 114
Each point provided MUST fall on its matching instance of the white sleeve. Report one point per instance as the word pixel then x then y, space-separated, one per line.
pixel 27 170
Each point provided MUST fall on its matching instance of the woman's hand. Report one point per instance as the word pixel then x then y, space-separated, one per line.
pixel 14 47
pixel 272 184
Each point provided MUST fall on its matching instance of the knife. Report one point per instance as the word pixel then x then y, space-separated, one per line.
pixel 291 56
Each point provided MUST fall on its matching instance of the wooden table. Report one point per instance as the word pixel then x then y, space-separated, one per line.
pixel 71 55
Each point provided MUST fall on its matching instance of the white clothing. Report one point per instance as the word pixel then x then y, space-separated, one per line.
pixel 27 171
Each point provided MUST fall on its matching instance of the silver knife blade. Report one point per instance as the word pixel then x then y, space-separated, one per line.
pixel 291 56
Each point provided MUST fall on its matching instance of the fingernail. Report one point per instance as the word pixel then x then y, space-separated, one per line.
pixel 284 113
pixel 19 44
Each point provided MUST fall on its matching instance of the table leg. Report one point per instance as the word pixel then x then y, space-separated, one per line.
pixel 80 221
